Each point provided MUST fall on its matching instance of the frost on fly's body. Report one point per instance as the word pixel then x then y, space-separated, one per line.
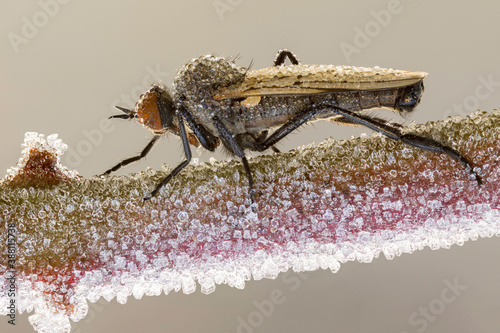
pixel 253 110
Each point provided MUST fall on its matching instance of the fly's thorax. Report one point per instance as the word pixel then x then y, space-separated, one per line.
pixel 202 76
pixel 196 83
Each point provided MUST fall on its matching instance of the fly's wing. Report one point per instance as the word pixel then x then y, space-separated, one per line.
pixel 317 79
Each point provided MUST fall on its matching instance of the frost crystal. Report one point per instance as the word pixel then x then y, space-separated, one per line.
pixel 76 240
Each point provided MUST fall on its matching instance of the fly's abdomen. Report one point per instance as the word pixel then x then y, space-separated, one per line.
pixel 398 99
pixel 273 111
pixel 366 99
pixel 378 99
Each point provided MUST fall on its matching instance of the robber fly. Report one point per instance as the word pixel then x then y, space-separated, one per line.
pixel 228 104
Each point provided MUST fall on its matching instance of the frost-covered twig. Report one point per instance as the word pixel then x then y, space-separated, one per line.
pixel 75 239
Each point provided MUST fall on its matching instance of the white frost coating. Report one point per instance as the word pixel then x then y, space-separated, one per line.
pixel 271 80
pixel 309 256
pixel 197 235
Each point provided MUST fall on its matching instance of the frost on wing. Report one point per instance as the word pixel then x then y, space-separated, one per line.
pixel 317 207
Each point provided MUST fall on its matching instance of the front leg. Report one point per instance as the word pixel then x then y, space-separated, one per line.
pixel 133 159
pixel 187 153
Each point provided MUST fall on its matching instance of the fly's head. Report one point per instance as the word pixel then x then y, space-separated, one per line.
pixel 156 111
pixel 201 77
pixel 410 97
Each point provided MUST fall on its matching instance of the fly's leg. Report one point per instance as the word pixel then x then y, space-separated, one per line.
pixel 394 132
pixel 282 55
pixel 291 125
pixel 349 122
pixel 261 138
pixel 207 140
pixel 233 146
pixel 127 161
pixel 390 130
pixel 187 153
pixel 295 122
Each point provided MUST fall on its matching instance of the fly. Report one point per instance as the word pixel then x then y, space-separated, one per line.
pixel 222 103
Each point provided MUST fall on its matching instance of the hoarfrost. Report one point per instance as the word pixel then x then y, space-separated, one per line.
pixel 318 207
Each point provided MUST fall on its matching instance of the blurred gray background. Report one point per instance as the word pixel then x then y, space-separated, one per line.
pixel 66 63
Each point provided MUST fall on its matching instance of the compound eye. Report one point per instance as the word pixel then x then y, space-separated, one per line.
pixel 147 111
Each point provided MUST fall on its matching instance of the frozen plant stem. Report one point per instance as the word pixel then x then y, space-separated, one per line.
pixel 318 206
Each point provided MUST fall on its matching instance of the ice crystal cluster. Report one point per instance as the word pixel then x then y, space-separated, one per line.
pixel 317 207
